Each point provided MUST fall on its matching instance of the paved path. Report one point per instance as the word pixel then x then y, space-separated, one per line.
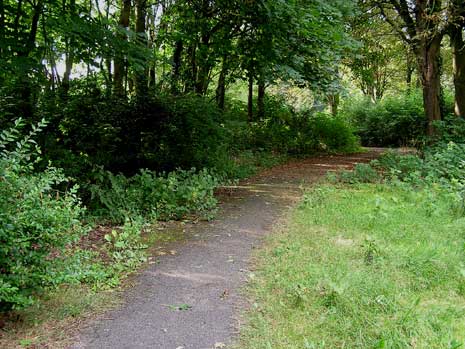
pixel 205 277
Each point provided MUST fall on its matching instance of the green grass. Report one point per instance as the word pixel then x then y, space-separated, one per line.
pixel 51 321
pixel 367 266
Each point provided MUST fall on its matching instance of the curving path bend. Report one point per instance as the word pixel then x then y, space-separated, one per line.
pixel 192 300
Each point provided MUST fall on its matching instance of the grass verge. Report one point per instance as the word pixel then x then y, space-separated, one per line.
pixel 366 266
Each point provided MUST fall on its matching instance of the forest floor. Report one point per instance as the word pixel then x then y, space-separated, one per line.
pixel 190 295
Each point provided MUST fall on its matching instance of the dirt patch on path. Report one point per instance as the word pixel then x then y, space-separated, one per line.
pixel 190 299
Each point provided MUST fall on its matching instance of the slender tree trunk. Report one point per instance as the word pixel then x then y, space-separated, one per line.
pixel 250 99
pixel 409 72
pixel 175 75
pixel 261 99
pixel 19 12
pixel 69 59
pixel 203 74
pixel 25 93
pixel 140 79
pixel 221 88
pixel 458 55
pixel 333 101
pixel 2 26
pixel 428 57
pixel 189 85
pixel 152 77
pixel 68 68
pixel 119 65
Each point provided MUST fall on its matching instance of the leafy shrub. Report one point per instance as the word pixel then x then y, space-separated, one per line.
pixel 125 246
pixel 149 195
pixel 394 121
pixel 304 133
pixel 362 173
pixel 451 129
pixel 162 133
pixel 442 166
pixel 36 219
pixel 398 165
pixel 286 131
pixel 192 136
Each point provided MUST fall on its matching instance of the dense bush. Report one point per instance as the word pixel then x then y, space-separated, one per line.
pixel 441 167
pixel 286 131
pixel 395 121
pixel 392 122
pixel 160 133
pixel 152 196
pixel 451 129
pixel 304 133
pixel 36 219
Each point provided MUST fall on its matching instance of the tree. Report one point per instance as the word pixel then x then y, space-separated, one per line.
pixel 422 24
pixel 456 33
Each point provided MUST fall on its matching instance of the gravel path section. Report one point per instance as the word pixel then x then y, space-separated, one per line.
pixel 191 299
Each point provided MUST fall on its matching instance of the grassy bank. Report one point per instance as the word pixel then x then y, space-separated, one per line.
pixel 366 266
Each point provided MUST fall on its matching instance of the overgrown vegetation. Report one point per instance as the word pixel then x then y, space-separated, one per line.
pixel 146 107
pixel 37 219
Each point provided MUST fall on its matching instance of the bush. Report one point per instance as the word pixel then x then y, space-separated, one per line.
pixel 160 132
pixel 395 121
pixel 149 195
pixel 36 220
pixel 451 129
pixel 442 166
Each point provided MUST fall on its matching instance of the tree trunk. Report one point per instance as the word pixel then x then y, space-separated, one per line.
pixel 202 82
pixel 175 75
pixel 458 56
pixel 409 71
pixel 333 101
pixel 221 88
pixel 69 58
pixel 140 79
pixel 428 57
pixel 25 89
pixel 261 99
pixel 2 26
pixel 250 99
pixel 119 66
pixel 189 85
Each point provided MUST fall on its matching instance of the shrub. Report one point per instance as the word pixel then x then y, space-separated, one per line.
pixel 36 219
pixel 441 166
pixel 160 132
pixel 394 121
pixel 164 196
pixel 451 129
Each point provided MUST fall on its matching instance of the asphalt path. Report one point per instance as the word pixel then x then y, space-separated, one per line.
pixel 193 298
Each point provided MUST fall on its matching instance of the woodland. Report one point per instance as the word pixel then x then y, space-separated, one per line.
pixel 128 112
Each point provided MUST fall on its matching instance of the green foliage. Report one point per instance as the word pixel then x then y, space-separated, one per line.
pixel 443 164
pixel 362 173
pixel 394 121
pixel 192 135
pixel 125 246
pixel 287 132
pixel 451 129
pixel 164 196
pixel 37 220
